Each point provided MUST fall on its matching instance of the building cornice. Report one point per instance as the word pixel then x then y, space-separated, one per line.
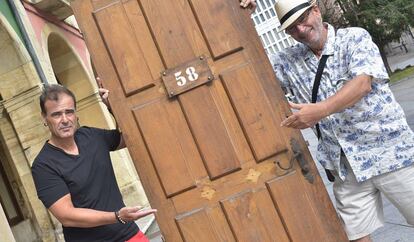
pixel 88 101
pixel 22 99
pixel 52 19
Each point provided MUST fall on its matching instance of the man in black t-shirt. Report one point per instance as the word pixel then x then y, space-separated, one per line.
pixel 74 176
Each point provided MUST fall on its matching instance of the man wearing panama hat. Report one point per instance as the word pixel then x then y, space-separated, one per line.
pixel 341 90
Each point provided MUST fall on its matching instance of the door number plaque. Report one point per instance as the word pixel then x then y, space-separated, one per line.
pixel 187 76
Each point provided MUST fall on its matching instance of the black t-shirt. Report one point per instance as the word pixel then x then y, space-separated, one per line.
pixel 89 178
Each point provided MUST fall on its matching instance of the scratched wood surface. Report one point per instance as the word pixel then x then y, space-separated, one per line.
pixel 207 157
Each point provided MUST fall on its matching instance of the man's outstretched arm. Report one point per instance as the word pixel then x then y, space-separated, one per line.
pixel 311 113
pixel 69 216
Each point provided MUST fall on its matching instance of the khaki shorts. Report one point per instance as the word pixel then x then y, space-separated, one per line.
pixel 360 206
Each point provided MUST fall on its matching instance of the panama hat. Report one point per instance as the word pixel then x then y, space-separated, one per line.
pixel 289 10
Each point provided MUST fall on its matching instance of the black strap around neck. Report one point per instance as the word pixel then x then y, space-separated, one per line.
pixel 316 83
pixel 315 88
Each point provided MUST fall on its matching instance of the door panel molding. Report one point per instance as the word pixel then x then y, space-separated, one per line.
pixel 126 55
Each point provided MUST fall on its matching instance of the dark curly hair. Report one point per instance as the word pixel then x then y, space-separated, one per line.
pixel 52 92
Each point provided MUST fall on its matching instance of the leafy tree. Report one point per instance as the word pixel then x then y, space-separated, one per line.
pixel 385 20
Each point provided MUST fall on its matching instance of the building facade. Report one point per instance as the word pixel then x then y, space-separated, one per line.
pixel 40 44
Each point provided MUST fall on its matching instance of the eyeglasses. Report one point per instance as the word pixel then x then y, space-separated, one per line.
pixel 301 20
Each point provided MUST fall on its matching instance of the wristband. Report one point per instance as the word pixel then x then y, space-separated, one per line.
pixel 120 220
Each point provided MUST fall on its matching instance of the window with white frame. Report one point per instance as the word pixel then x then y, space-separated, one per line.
pixel 264 11
pixel 267 24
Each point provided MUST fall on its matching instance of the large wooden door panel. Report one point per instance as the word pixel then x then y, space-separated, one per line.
pixel 210 158
pixel 206 122
pixel 253 217
pixel 254 112
pixel 129 61
pixel 208 222
pixel 170 145
pixel 220 36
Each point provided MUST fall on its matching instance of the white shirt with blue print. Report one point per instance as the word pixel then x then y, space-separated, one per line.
pixel 373 133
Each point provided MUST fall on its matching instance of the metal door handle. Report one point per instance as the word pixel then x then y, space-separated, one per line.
pixel 303 163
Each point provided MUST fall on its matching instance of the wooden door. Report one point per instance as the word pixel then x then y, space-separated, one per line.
pixel 210 157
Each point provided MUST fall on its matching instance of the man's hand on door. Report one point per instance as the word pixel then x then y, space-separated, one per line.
pixel 251 4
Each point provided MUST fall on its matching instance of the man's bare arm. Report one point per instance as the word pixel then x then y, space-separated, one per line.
pixel 69 216
pixel 311 113
pixel 104 94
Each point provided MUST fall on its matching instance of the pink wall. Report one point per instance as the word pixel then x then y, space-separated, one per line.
pixel 39 20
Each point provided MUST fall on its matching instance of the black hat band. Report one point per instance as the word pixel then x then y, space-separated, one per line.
pixel 293 11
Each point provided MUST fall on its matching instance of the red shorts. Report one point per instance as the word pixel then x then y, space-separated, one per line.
pixel 139 237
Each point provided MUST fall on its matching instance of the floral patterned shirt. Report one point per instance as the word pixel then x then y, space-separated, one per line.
pixel 373 133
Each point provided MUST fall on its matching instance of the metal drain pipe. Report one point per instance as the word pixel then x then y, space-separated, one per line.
pixel 27 42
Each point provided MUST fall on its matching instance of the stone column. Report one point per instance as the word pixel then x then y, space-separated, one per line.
pixel 24 134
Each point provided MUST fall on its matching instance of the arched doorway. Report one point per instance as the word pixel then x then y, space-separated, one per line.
pixel 69 71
